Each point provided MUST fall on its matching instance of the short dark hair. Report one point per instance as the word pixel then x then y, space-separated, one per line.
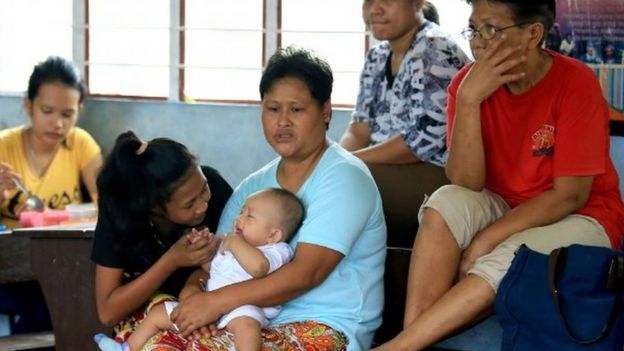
pixel 291 207
pixel 297 62
pixel 137 177
pixel 431 12
pixel 543 11
pixel 55 69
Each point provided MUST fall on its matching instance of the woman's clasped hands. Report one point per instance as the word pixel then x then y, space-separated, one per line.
pixel 194 249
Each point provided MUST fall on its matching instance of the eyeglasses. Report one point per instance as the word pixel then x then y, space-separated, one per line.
pixel 487 31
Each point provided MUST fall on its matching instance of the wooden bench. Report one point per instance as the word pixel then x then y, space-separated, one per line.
pixel 26 341
pixel 400 210
pixel 395 282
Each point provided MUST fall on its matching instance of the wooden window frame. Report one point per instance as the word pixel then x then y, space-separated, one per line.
pixel 271 40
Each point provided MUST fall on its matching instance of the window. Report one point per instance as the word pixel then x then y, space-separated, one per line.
pixel 129 47
pixel 453 19
pixel 189 49
pixel 223 58
pixel 30 31
pixel 336 31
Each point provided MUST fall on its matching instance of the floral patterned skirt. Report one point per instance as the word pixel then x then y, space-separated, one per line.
pixel 304 335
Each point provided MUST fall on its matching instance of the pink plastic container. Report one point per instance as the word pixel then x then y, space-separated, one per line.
pixel 42 219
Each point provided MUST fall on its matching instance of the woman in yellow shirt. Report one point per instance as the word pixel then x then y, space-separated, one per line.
pixel 51 156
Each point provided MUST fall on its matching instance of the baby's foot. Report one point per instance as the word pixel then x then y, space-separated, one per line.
pixel 108 344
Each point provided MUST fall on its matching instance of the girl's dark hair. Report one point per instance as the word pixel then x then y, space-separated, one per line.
pixel 543 11
pixel 297 62
pixel 55 69
pixel 136 178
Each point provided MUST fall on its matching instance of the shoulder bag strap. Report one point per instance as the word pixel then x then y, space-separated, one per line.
pixel 556 264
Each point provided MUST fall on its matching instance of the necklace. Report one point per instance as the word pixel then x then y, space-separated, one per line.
pixel 154 231
pixel 38 163
pixel 158 241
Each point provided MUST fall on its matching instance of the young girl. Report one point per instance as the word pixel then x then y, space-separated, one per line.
pixel 51 157
pixel 151 194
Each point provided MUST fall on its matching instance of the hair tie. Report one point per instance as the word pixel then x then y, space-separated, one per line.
pixel 142 148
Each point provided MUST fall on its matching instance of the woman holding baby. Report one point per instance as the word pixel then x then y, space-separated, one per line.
pixel 332 291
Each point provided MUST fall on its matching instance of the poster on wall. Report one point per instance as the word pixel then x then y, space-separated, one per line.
pixel 593 32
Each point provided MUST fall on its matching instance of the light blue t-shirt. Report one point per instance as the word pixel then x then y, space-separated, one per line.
pixel 343 213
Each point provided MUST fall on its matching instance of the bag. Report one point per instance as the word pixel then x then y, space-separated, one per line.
pixel 568 300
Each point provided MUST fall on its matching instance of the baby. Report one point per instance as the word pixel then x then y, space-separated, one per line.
pixel 257 247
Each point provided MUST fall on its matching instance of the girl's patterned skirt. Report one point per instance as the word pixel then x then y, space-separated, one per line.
pixel 295 336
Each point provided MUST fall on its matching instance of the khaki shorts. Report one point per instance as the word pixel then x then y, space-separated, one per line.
pixel 467 212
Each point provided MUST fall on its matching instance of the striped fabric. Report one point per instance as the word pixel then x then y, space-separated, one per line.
pixel 611 79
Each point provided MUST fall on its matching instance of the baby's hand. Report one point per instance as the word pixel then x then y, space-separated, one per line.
pixel 194 235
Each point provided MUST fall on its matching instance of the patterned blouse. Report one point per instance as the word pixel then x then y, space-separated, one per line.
pixel 414 105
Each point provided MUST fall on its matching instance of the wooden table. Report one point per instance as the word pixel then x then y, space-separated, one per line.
pixel 59 258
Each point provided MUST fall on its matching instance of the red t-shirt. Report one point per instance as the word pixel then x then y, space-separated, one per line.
pixel 560 127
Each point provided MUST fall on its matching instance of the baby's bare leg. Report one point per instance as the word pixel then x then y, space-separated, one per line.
pixel 247 333
pixel 156 320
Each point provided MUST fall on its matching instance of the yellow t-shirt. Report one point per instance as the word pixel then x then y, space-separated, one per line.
pixel 60 184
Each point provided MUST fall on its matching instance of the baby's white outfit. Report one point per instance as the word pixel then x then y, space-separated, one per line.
pixel 225 270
